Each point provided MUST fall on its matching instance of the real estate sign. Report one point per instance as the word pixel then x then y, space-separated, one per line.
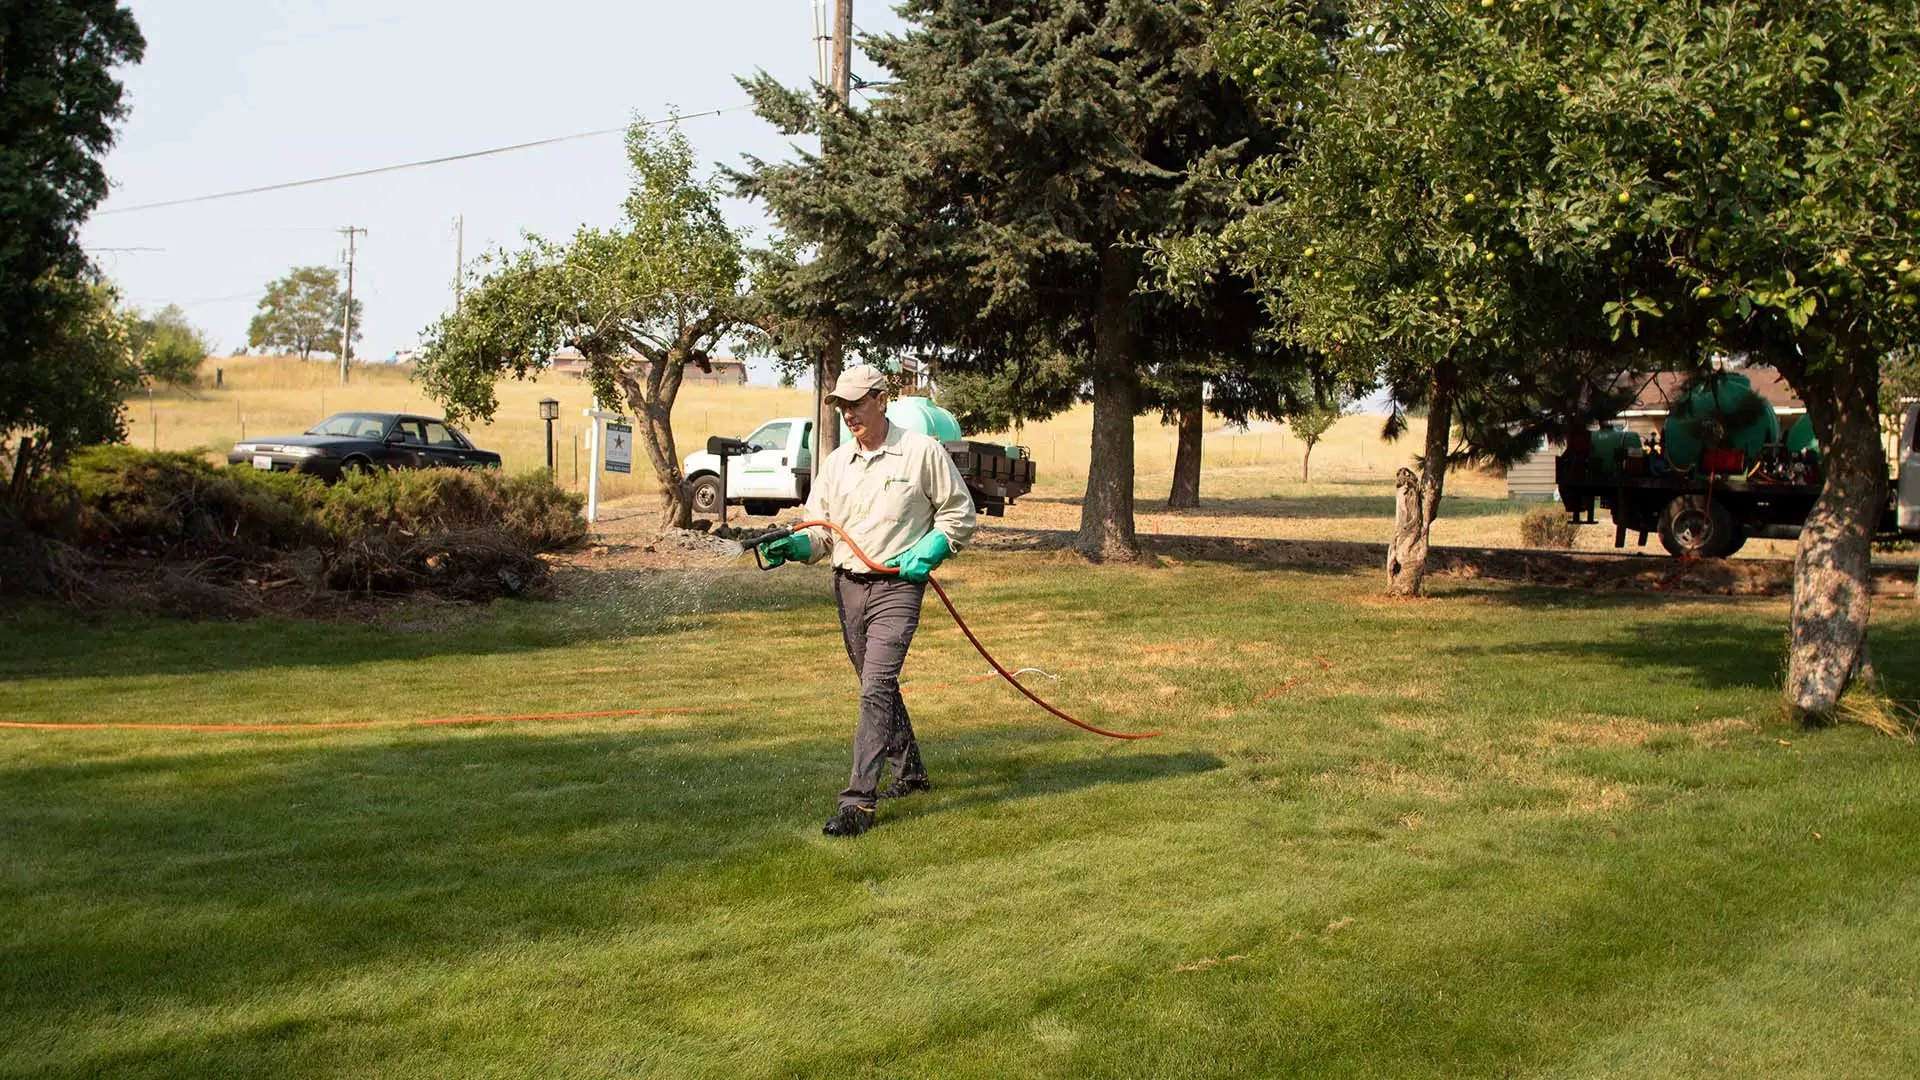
pixel 619 448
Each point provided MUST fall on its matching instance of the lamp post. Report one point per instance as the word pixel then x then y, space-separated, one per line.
pixel 549 411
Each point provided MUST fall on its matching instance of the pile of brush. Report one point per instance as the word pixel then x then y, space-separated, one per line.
pixel 168 531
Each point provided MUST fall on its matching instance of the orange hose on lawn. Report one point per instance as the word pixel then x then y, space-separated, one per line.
pixel 965 629
pixel 313 725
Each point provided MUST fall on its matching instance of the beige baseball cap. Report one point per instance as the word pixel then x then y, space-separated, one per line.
pixel 857 382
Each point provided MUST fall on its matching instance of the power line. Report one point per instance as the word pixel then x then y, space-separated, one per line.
pixel 406 165
pixel 252 294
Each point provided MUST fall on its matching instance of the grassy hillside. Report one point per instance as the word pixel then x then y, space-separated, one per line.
pixel 267 395
pixel 278 394
pixel 1251 482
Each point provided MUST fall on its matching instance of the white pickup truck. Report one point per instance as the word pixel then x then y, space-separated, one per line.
pixel 774 467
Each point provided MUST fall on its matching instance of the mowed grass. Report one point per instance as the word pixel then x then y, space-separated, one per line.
pixel 1500 832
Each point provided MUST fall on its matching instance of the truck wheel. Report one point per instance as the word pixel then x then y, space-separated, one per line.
pixel 706 494
pixel 759 507
pixel 1692 526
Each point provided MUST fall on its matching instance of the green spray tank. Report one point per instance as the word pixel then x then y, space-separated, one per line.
pixel 1801 437
pixel 1720 411
pixel 1609 446
pixel 996 475
pixel 917 414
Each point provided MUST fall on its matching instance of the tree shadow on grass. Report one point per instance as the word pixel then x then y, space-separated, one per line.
pixel 1716 653
pixel 1306 506
pixel 201 879
pixel 50 643
pixel 1331 557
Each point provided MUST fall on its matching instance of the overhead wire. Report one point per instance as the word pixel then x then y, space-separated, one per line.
pixel 357 173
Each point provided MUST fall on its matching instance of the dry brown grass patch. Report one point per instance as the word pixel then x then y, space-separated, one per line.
pixel 1206 962
pixel 1601 730
pixel 1882 714
pixel 1372 778
pixel 1417 723
pixel 1592 729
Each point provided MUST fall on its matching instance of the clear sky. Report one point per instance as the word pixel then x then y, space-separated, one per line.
pixel 243 93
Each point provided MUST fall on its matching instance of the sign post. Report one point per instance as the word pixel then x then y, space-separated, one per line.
pixel 595 442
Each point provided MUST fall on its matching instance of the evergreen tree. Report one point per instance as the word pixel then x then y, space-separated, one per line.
pixel 992 204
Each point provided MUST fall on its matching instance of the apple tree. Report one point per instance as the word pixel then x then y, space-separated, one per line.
pixel 1760 162
pixel 1391 236
pixel 640 302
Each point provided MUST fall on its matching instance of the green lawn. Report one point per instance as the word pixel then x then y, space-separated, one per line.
pixel 1501 832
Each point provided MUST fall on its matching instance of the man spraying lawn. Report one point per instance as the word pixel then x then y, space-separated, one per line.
pixel 896 494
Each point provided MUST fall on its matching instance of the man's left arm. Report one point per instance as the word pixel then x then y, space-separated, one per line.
pixel 953 520
pixel 952 503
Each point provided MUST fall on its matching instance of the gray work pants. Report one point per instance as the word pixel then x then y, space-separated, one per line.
pixel 877 620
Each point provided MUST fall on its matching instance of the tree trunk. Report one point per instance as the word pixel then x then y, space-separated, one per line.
pixel 1832 592
pixel 1106 514
pixel 1186 457
pixel 1306 464
pixel 653 415
pixel 826 420
pixel 22 471
pixel 1418 497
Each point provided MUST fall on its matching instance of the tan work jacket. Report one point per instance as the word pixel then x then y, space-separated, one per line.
pixel 887 499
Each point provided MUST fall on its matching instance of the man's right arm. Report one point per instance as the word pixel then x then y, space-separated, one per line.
pixel 819 540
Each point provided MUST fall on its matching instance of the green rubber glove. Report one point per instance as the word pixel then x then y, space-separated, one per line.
pixel 795 548
pixel 918 561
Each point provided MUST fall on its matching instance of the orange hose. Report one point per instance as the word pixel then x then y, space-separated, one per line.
pixel 314 725
pixel 965 629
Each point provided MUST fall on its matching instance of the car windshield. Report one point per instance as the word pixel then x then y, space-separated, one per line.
pixel 350 424
pixel 771 436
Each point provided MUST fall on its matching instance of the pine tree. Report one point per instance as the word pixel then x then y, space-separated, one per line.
pixel 991 206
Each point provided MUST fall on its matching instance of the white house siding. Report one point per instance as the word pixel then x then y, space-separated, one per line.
pixel 1532 476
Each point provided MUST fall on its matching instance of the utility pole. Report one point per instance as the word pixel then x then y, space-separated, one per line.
pixel 822 43
pixel 346 321
pixel 827 368
pixel 460 265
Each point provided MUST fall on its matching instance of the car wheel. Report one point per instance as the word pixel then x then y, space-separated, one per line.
pixel 356 466
pixel 1692 527
pixel 706 494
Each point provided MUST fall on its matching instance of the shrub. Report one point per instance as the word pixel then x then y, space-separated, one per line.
pixel 464 534
pixel 528 508
pixel 174 505
pixel 169 520
pixel 1547 526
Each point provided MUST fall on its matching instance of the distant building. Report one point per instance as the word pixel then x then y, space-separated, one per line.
pixel 726 371
pixel 1532 477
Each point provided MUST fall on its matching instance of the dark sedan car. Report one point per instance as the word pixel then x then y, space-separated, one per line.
pixel 362 442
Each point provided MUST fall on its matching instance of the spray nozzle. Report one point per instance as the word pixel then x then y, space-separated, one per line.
pixel 754 540
pixel 752 543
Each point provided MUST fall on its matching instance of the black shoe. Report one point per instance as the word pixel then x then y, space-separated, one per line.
pixel 849 821
pixel 904 787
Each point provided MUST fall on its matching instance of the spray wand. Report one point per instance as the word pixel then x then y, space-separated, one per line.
pixel 753 542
